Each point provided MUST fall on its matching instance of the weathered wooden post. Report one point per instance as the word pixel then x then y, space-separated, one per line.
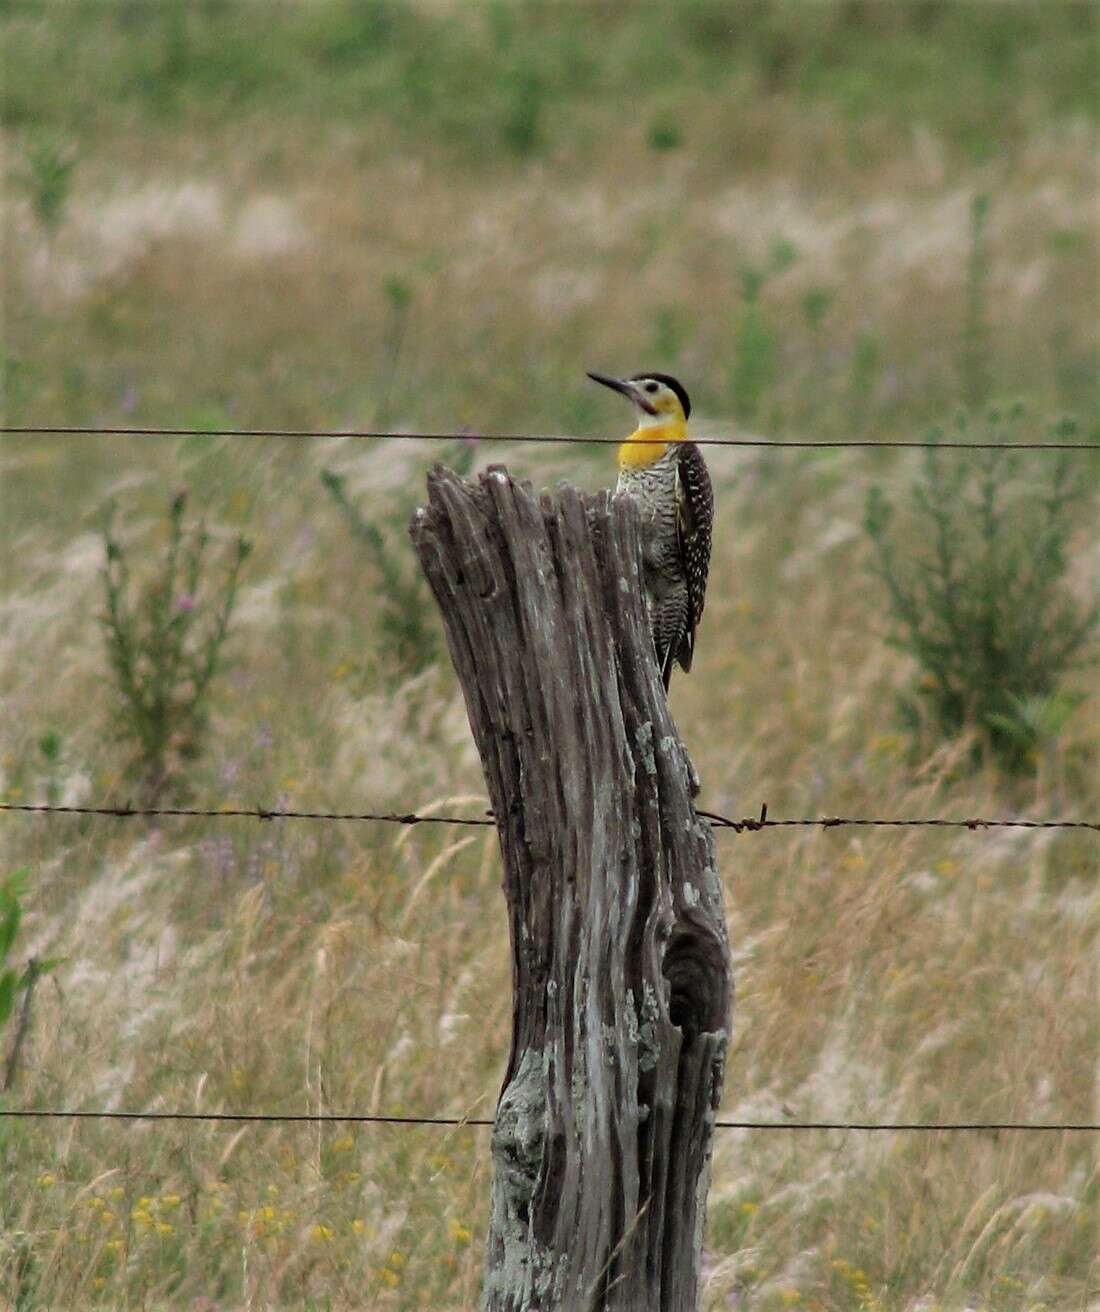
pixel 620 960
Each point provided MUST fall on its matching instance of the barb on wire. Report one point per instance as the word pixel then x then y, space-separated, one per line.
pixel 902 444
pixel 464 1122
pixel 127 812
pixel 751 824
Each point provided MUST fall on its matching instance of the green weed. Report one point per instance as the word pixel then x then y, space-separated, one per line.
pixel 754 355
pixel 405 618
pixel 15 983
pixel 399 299
pixel 664 134
pixel 162 659
pixel 49 748
pixel 863 375
pixel 974 357
pixel 978 591
pixel 47 177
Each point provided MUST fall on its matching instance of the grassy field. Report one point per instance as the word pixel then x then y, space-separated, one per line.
pixel 339 215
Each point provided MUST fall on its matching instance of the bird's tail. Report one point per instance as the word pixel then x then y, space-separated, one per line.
pixel 666 660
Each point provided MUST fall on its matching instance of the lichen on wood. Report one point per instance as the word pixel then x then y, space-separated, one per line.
pixel 620 961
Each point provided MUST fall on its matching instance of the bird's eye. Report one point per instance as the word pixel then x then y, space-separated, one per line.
pixel 651 387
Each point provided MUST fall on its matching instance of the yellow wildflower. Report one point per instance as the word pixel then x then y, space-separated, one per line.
pixel 458 1232
pixel 322 1233
pixel 358 1226
pixel 46 1179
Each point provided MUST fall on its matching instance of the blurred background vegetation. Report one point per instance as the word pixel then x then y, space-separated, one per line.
pixel 832 219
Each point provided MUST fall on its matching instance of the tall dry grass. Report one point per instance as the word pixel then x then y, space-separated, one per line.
pixel 289 966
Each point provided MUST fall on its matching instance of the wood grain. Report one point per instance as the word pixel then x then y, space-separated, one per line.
pixel 620 960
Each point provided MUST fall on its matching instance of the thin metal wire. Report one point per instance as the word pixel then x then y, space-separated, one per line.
pixel 253 813
pixel 748 825
pixel 354 1118
pixel 795 443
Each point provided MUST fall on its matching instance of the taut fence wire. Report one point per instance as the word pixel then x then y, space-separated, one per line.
pixel 746 825
pixel 902 444
pixel 750 824
pixel 465 1122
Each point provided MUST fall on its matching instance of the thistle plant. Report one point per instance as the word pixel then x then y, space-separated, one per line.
pixel 976 581
pixel 163 656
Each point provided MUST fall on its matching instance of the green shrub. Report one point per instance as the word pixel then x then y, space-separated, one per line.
pixel 754 348
pixel 405 618
pixel 976 582
pixel 49 746
pixel 863 377
pixel 816 303
pixel 399 299
pixel 668 334
pixel 162 657
pixel 47 177
pixel 664 134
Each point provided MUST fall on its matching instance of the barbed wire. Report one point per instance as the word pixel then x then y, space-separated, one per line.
pixel 464 1122
pixel 750 824
pixel 902 444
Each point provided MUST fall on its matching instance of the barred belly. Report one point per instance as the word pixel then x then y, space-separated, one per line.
pixel 653 487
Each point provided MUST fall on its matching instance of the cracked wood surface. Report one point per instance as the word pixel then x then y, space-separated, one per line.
pixel 620 960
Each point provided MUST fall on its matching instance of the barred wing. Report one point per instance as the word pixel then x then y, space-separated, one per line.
pixel 694 519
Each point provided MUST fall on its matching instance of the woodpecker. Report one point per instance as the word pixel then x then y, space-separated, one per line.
pixel 667 476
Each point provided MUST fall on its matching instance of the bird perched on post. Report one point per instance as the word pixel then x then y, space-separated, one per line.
pixel 667 476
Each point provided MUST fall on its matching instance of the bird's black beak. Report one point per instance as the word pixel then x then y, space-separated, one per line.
pixel 628 389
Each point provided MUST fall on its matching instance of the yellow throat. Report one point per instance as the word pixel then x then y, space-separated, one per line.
pixel 650 442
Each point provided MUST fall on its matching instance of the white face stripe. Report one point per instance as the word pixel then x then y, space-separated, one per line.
pixel 645 419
